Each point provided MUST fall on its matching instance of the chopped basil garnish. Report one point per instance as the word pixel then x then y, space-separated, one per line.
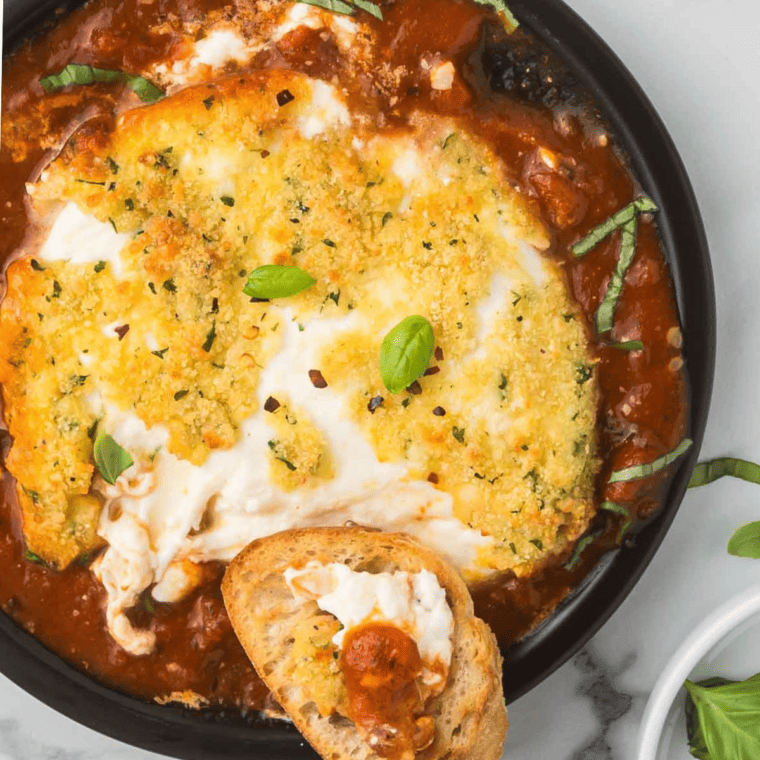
pixel 607 227
pixel 707 472
pixel 180 395
pixel 100 266
pixel 406 352
pixel 30 556
pixel 275 281
pixel 629 345
pixel 506 15
pixel 227 200
pixel 605 314
pixel 649 468
pixel 338 6
pixel 580 547
pixel 110 458
pixel 610 506
pixel 81 74
pixel 746 541
pixel 723 722
pixel 210 338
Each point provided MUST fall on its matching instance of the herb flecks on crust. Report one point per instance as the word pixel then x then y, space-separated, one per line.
pixel 377 250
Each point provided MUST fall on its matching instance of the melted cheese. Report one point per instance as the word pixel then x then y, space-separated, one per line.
pixel 414 602
pixel 387 233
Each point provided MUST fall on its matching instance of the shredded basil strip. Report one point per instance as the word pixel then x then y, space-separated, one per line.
pixel 605 314
pixel 275 281
pixel 629 345
pixel 82 74
pixel 338 6
pixel 610 506
pixel 506 15
pixel 626 214
pixel 649 468
pixel 30 556
pixel 580 547
pixel 707 472
pixel 406 352
pixel 110 458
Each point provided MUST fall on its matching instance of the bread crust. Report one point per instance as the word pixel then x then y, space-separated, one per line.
pixel 470 715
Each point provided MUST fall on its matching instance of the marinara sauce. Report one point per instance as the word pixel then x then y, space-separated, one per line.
pixel 514 96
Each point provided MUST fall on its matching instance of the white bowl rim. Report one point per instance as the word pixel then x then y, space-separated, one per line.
pixel 708 633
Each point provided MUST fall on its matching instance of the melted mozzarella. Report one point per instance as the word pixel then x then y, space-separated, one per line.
pixel 81 239
pixel 326 110
pixel 162 499
pixel 414 602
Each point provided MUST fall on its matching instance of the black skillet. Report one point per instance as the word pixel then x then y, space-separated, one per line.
pixel 655 162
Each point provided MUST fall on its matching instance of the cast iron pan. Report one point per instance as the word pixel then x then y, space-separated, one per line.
pixel 656 164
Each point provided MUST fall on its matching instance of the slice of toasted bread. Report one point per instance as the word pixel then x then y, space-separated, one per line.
pixel 469 714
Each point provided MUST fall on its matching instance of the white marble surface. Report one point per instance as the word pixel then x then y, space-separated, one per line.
pixel 699 62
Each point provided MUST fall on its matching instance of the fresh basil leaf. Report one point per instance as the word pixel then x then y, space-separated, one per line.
pixel 336 6
pixel 649 468
pixel 729 718
pixel 694 733
pixel 81 74
pixel 746 541
pixel 275 281
pixel 110 458
pixel 506 15
pixel 707 472
pixel 406 352
pixel 371 8
pixel 618 219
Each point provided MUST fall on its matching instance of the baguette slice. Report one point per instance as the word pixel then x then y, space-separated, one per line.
pixel 470 715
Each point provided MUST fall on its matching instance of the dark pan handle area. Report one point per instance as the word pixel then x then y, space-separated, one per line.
pixel 655 162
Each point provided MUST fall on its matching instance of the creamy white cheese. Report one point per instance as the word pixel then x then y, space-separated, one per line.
pixel 326 109
pixel 162 499
pixel 414 602
pixel 81 239
pixel 221 46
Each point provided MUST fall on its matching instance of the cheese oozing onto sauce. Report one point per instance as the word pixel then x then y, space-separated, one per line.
pixel 414 602
pixel 162 500
pixel 166 515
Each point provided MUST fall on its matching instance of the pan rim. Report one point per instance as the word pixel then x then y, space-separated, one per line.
pixel 655 162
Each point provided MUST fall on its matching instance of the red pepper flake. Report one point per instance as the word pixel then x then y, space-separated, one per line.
pixel 316 379
pixel 415 388
pixel 439 411
pixel 265 153
pixel 375 403
pixel 432 478
pixel 439 353
pixel 271 404
pixel 432 371
pixel 259 300
pixel 121 331
pixel 284 97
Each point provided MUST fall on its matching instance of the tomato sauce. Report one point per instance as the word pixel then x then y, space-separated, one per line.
pixel 381 664
pixel 643 394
